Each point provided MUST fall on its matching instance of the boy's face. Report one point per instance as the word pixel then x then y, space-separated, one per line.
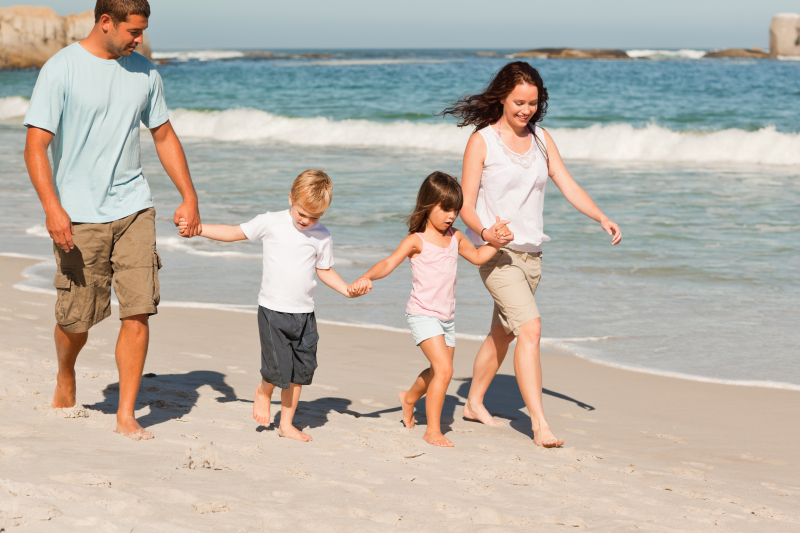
pixel 303 218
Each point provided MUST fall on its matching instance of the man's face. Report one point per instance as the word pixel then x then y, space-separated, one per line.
pixel 123 38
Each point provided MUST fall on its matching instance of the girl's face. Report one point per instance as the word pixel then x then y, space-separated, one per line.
pixel 440 219
pixel 521 104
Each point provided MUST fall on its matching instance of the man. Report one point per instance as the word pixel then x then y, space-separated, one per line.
pixel 89 101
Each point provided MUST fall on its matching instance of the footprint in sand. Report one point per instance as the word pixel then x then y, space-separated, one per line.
pixel 67 412
pixel 211 508
pixel 678 440
pixel 578 431
pixel 87 479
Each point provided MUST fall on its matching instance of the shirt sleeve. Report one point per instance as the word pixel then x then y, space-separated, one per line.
pixel 47 102
pixel 257 228
pixel 155 114
pixel 325 253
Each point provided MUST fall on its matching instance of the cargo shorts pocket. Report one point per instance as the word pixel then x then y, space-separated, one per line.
pixel 156 284
pixel 75 303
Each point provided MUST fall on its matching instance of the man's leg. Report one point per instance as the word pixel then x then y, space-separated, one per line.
pixel 68 346
pixel 134 336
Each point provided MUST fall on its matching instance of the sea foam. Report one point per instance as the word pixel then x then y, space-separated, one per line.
pixel 12 107
pixel 666 54
pixel 611 142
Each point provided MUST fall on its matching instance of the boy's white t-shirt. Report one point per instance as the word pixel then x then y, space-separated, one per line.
pixel 291 260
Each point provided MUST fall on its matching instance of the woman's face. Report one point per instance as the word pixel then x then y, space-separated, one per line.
pixel 521 104
pixel 440 219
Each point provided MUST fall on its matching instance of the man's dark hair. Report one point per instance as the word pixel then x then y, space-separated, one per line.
pixel 120 10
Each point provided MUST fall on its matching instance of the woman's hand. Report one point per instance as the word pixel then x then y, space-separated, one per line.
pixel 498 235
pixel 612 229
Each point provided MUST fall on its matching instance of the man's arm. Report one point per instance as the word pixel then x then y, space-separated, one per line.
pixel 170 152
pixel 58 223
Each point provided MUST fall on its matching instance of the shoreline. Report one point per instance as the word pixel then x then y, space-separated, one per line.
pixel 559 344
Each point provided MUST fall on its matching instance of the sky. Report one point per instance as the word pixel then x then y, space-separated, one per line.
pixel 475 24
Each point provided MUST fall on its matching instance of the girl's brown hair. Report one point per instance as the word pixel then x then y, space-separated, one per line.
pixel 481 110
pixel 438 189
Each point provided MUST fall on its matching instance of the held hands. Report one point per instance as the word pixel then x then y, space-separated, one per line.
pixel 612 229
pixel 498 235
pixel 190 214
pixel 359 287
pixel 59 226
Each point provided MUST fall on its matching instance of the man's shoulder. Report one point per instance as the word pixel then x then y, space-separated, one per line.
pixel 62 58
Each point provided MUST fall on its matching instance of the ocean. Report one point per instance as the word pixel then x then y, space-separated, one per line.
pixel 698 160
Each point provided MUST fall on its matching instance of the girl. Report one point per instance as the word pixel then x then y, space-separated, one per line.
pixel 433 246
pixel 506 165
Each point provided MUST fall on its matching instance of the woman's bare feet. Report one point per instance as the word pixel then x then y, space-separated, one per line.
pixel 545 438
pixel 437 439
pixel 291 432
pixel 64 395
pixel 408 410
pixel 478 413
pixel 129 427
pixel 261 407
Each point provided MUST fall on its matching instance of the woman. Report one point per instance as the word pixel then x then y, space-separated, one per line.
pixel 506 165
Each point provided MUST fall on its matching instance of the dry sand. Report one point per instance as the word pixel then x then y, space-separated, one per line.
pixel 642 451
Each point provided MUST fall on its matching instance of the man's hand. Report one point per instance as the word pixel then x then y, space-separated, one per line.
pixel 187 219
pixel 59 226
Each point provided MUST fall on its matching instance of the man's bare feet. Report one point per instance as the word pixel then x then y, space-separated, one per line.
pixel 291 432
pixel 478 413
pixel 545 438
pixel 437 439
pixel 64 395
pixel 129 427
pixel 261 407
pixel 408 410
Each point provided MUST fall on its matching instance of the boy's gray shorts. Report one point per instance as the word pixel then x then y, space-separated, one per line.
pixel 288 347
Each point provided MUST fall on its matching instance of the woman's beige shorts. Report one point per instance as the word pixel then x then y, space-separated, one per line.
pixel 512 278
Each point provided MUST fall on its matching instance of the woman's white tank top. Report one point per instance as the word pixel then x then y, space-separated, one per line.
pixel 512 187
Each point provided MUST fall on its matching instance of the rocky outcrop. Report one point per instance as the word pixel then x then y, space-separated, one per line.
pixel 574 53
pixel 29 36
pixel 784 35
pixel 738 53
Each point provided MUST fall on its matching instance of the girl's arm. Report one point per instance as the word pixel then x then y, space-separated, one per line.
pixel 475 256
pixel 409 246
pixel 332 279
pixel 217 232
pixel 573 192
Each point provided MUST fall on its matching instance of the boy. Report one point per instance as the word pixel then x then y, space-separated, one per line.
pixel 296 247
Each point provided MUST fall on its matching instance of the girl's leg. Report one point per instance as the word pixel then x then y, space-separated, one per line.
pixel 528 368
pixel 487 363
pixel 289 399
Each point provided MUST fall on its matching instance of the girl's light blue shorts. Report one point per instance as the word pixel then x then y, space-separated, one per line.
pixel 426 327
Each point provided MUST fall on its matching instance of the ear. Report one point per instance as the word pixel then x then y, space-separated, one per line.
pixel 106 23
pixel 290 199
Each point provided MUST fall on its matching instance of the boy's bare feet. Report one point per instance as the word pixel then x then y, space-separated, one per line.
pixel 437 439
pixel 64 395
pixel 479 413
pixel 129 427
pixel 261 407
pixel 545 438
pixel 291 432
pixel 408 410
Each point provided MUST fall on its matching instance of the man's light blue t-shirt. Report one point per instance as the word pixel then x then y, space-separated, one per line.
pixel 94 108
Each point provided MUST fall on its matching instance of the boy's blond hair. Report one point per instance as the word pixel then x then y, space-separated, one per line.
pixel 313 189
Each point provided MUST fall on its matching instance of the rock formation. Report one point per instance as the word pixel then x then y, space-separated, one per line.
pixel 739 53
pixel 573 53
pixel 784 35
pixel 29 36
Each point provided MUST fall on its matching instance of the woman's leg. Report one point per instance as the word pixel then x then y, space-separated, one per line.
pixel 528 368
pixel 432 381
pixel 487 363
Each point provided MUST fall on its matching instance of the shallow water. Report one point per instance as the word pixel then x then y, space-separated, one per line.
pixel 697 160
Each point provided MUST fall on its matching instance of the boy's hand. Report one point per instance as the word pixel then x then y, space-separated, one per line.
pixel 359 287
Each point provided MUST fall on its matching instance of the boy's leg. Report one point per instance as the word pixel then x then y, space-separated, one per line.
pixel 289 399
pixel 440 373
pixel 68 346
pixel 263 403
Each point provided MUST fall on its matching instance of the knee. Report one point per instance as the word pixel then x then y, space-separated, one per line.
pixel 444 372
pixel 530 332
pixel 136 323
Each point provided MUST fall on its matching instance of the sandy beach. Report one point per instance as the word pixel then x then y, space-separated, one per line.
pixel 642 451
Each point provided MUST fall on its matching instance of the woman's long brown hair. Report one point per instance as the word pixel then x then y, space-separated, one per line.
pixel 481 110
pixel 438 189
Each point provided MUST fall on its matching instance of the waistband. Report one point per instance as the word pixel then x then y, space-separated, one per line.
pixel 519 254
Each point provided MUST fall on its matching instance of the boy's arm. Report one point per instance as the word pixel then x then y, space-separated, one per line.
pixel 332 279
pixel 217 232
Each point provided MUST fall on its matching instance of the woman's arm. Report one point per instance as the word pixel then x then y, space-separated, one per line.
pixel 468 251
pixel 409 246
pixel 573 192
pixel 471 172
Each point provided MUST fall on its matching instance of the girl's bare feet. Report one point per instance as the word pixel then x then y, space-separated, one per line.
pixel 129 427
pixel 478 413
pixel 437 439
pixel 408 410
pixel 291 432
pixel 545 438
pixel 261 407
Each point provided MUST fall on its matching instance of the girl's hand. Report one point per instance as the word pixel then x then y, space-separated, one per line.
pixel 359 287
pixel 612 229
pixel 498 235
